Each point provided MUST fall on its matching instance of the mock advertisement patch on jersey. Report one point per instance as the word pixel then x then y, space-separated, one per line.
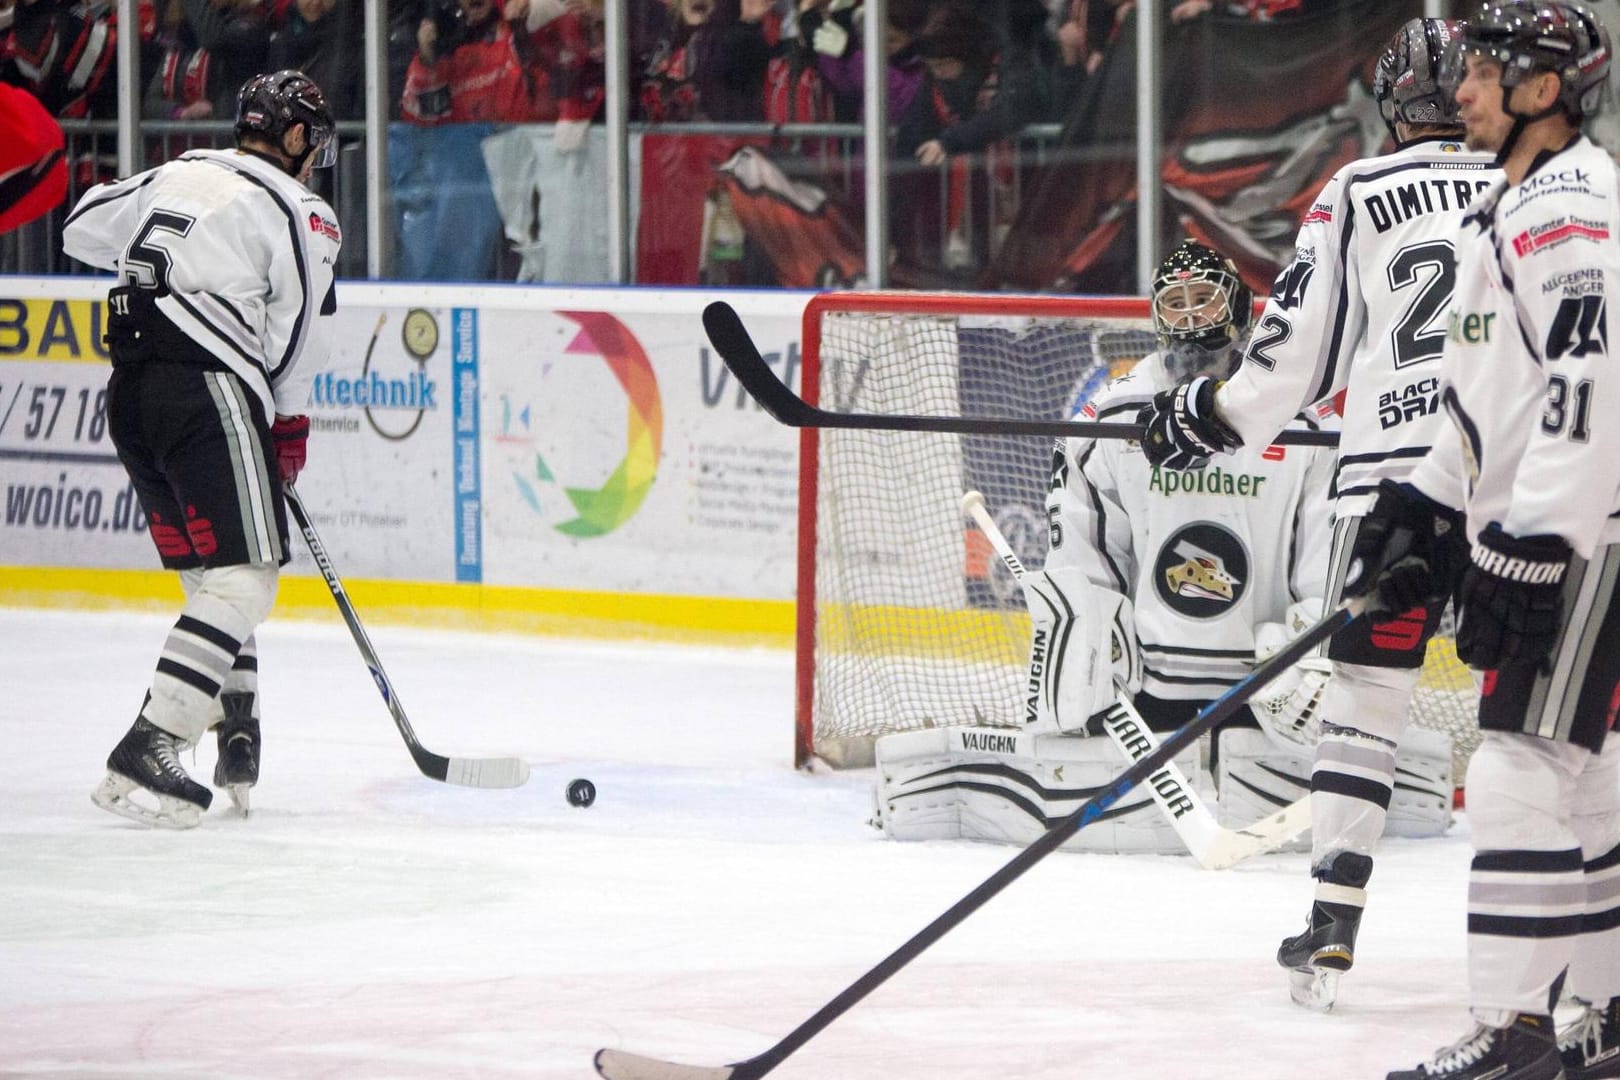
pixel 1587 281
pixel 1202 570
pixel 1322 212
pixel 324 226
pixel 1552 233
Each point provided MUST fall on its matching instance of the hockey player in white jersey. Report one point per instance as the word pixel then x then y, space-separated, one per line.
pixel 225 262
pixel 1361 310
pixel 1531 457
pixel 1159 586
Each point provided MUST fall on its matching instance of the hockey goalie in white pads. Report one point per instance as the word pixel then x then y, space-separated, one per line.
pixel 1010 786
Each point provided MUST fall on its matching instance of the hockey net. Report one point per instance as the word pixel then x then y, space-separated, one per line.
pixel 906 619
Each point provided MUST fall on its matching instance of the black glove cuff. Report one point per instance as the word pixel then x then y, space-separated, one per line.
pixel 1541 559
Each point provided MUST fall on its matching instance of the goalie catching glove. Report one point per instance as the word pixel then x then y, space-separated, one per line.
pixel 1082 650
pixel 1289 708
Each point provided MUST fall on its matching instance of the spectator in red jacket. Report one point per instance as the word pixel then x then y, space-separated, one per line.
pixel 465 70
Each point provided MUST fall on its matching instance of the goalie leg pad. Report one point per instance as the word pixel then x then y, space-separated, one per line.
pixel 1255 779
pixel 1421 803
pixel 1009 786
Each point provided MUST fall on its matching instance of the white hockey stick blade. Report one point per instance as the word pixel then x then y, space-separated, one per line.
pixel 617 1065
pixel 1214 846
pixel 498 772
pixel 1232 846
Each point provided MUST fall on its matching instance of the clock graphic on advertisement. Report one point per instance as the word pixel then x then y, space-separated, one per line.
pixel 420 333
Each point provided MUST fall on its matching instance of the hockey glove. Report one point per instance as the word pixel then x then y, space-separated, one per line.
pixel 1512 598
pixel 290 437
pixel 1183 431
pixel 1402 556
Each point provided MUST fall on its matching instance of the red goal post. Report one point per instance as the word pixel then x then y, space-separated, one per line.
pixel 904 618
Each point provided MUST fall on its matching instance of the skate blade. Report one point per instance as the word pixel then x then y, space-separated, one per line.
pixel 113 795
pixel 239 797
pixel 1315 989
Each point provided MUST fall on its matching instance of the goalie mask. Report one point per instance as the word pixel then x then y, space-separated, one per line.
pixel 268 105
pixel 1406 84
pixel 1527 38
pixel 1201 312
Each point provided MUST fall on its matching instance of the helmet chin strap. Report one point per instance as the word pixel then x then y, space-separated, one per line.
pixel 1520 122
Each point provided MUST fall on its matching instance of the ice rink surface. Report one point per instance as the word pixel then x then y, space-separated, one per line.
pixel 367 922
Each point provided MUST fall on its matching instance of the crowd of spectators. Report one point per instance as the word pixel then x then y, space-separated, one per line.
pixel 963 76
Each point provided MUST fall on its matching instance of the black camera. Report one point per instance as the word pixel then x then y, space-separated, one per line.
pixel 450 23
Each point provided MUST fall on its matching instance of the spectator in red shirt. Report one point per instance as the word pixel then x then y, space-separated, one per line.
pixel 562 44
pixel 470 75
pixel 710 65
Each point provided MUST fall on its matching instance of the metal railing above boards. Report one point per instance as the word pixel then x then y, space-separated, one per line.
pixel 92 156
pixel 948 224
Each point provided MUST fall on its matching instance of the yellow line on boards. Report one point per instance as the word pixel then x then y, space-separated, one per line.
pixel 698 619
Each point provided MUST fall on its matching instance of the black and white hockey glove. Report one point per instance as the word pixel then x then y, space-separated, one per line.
pixel 1405 552
pixel 1183 431
pixel 1512 598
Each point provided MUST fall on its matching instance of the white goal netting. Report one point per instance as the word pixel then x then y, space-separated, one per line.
pixel 907 618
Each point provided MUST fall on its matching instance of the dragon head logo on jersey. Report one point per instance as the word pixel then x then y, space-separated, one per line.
pixel 1202 570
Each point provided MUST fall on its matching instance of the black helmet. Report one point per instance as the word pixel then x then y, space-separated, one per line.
pixel 1531 36
pixel 267 105
pixel 1199 327
pixel 1406 82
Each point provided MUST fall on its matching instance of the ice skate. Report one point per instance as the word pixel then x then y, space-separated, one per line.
pixel 237 768
pixel 1590 1047
pixel 1524 1050
pixel 1326 948
pixel 144 768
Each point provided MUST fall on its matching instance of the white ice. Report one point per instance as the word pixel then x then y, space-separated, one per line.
pixel 367 922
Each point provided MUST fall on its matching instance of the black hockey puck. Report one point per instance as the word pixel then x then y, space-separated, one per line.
pixel 581 793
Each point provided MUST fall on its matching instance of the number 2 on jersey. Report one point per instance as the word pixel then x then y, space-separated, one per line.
pixel 1431 268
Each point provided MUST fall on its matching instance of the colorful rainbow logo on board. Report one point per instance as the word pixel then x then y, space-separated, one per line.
pixel 601 510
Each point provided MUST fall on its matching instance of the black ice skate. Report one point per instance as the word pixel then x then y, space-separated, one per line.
pixel 1326 949
pixel 146 762
pixel 1524 1050
pixel 1590 1047
pixel 237 769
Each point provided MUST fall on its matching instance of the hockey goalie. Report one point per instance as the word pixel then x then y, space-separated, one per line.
pixel 1161 590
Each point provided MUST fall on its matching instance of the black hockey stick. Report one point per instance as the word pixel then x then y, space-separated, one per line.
pixel 732 341
pixel 618 1065
pixel 502 772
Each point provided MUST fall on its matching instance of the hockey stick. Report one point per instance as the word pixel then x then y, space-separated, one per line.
pixel 502 772
pixel 1212 844
pixel 618 1065
pixel 732 341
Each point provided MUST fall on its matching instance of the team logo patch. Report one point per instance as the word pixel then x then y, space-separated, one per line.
pixel 1202 570
pixel 324 226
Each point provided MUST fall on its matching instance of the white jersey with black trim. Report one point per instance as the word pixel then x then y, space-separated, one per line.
pixel 1526 379
pixel 1205 555
pixel 1362 309
pixel 241 256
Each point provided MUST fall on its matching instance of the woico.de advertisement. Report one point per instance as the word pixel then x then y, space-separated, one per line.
pixel 67 501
